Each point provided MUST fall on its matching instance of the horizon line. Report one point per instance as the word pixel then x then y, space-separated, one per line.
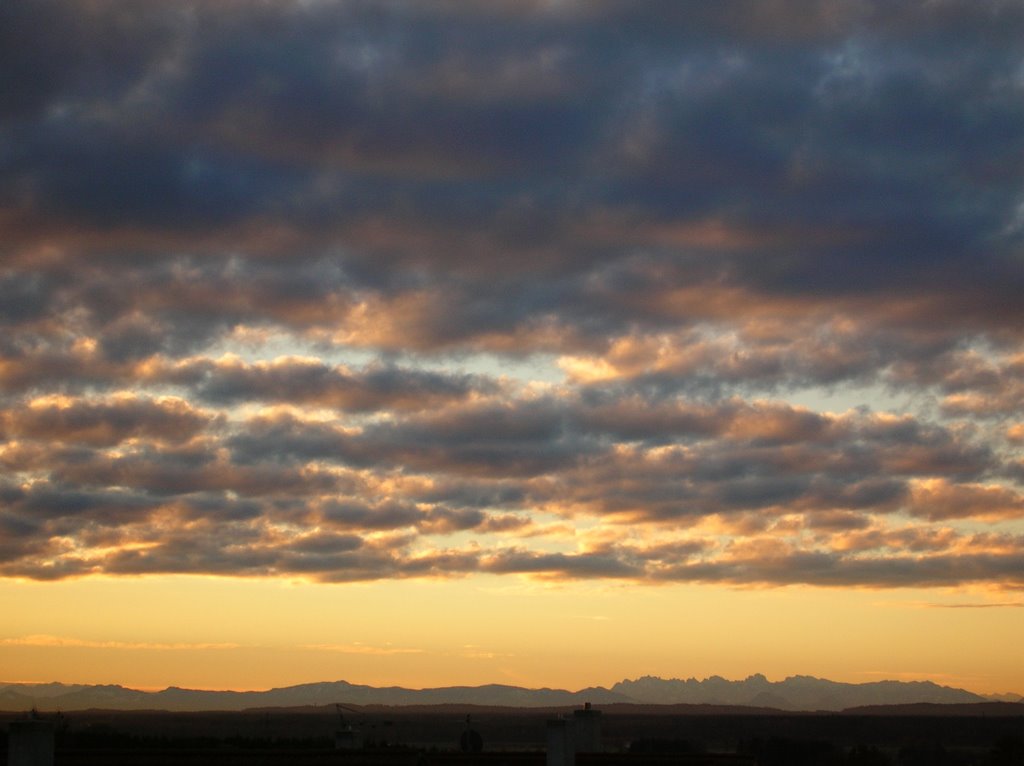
pixel 214 690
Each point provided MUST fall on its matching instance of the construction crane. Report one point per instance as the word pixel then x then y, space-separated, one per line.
pixel 347 737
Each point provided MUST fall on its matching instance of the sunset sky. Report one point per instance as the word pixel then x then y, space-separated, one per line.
pixel 545 342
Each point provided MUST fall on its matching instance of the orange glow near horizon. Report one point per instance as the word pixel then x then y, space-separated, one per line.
pixel 221 633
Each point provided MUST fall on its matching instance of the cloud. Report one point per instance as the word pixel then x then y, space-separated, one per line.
pixel 48 641
pixel 429 290
pixel 1006 605
pixel 281 493
pixel 835 570
pixel 107 422
pixel 311 382
pixel 938 499
pixel 358 648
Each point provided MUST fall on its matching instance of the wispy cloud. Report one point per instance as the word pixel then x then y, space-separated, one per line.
pixel 64 642
pixel 1002 605
pixel 357 648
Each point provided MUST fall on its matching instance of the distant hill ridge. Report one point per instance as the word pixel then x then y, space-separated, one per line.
pixel 794 693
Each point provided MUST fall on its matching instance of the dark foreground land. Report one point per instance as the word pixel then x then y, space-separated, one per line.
pixel 684 735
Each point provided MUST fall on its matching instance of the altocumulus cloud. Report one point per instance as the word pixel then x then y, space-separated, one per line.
pixel 353 291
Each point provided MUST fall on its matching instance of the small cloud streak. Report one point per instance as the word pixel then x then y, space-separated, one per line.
pixel 1004 605
pixel 360 649
pixel 64 642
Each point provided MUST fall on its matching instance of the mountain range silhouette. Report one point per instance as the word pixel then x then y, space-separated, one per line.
pixel 793 693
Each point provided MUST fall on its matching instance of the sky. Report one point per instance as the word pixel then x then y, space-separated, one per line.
pixel 548 343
